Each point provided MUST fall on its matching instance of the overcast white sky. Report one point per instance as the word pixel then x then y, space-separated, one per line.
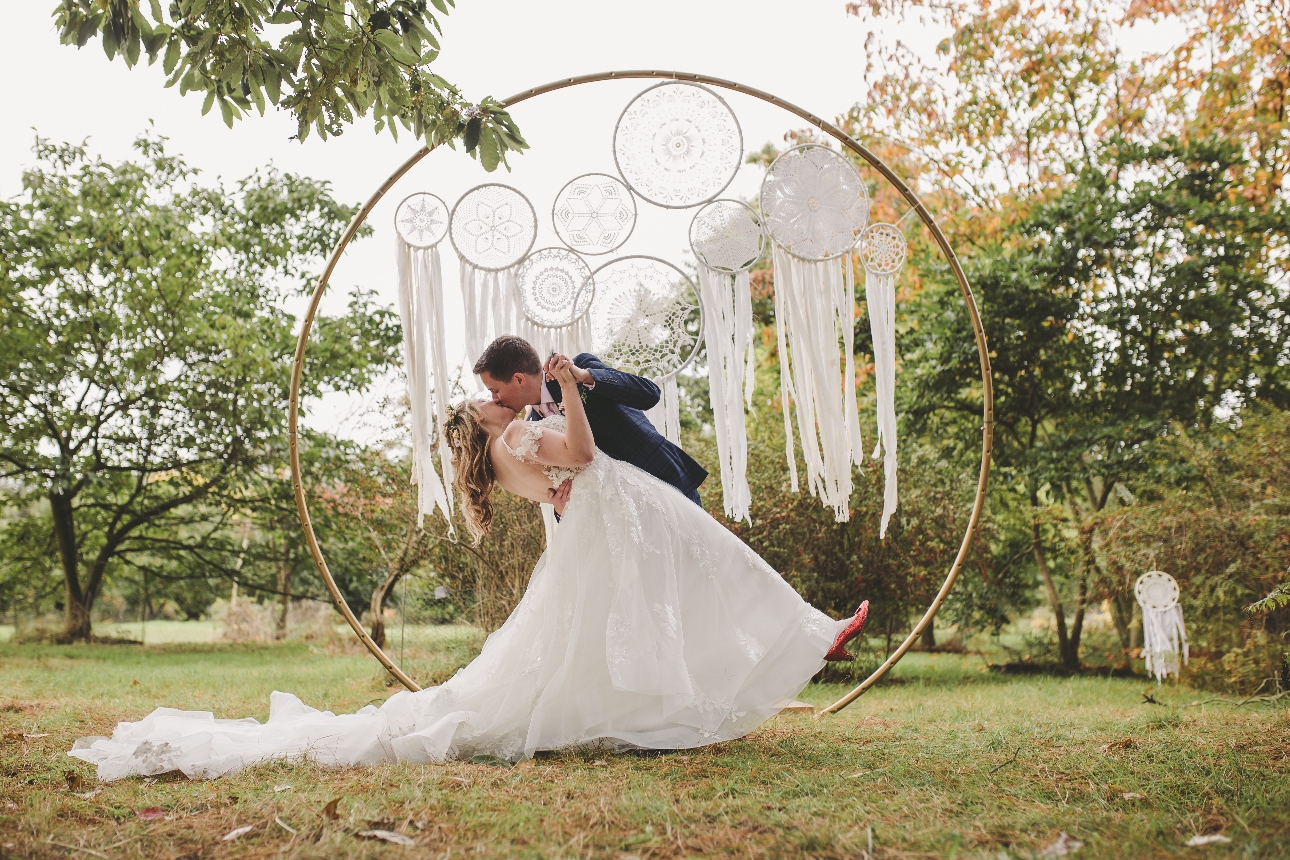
pixel 808 52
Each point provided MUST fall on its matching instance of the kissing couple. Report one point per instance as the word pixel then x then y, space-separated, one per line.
pixel 646 624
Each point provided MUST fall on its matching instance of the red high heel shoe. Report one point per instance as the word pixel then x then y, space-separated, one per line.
pixel 851 631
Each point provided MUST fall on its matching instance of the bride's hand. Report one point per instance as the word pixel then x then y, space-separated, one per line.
pixel 561 369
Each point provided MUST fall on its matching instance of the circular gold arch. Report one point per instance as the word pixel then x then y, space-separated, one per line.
pixel 987 429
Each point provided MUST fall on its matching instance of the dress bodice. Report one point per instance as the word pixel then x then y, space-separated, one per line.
pixel 526 450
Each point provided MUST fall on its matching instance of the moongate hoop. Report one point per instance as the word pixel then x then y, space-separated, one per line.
pixel 987 386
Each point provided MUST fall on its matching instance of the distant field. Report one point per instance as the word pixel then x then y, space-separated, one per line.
pixel 952 760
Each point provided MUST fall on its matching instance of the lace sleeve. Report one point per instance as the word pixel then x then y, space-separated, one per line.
pixel 526 449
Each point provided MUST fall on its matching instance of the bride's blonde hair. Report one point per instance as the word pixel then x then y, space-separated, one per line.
pixel 472 467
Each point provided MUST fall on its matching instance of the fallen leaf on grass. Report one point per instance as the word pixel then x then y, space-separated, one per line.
pixel 237 832
pixel 1126 743
pixel 284 825
pixel 74 781
pixel 33 735
pixel 1197 841
pixel 1065 845
pixel 149 813
pixel 278 788
pixel 386 836
pixel 494 761
pixel 329 811
pixel 89 794
pixel 1132 795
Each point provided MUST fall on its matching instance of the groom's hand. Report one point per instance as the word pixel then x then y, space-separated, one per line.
pixel 559 496
pixel 581 375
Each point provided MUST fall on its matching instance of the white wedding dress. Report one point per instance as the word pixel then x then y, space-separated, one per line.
pixel 646 624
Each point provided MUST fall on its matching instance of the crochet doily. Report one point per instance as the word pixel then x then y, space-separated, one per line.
pixel 726 235
pixel 678 145
pixel 645 317
pixel 556 287
pixel 883 248
pixel 1156 590
pixel 493 226
pixel 421 220
pixel 814 202
pixel 594 214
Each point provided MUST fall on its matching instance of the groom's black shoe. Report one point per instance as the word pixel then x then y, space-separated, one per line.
pixel 851 631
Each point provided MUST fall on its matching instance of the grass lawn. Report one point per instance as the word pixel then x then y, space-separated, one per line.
pixel 949 761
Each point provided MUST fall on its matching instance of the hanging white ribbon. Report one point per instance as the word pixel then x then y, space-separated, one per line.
pixel 815 315
pixel 880 293
pixel 727 332
pixel 422 314
pixel 666 414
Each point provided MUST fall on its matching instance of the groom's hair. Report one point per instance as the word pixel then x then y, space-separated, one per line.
pixel 507 356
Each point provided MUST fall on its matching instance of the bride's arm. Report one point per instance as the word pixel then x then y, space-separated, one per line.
pixel 575 446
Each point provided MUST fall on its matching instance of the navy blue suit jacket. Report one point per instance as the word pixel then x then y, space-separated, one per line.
pixel 614 410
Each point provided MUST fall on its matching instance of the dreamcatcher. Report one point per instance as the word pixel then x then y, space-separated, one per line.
pixel 594 214
pixel 814 204
pixel 678 145
pixel 555 291
pixel 727 240
pixel 1164 638
pixel 882 251
pixel 642 320
pixel 420 223
pixel 492 228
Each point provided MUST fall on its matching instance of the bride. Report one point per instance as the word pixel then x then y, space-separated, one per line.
pixel 646 625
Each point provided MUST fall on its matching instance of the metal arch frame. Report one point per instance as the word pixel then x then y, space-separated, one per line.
pixel 987 429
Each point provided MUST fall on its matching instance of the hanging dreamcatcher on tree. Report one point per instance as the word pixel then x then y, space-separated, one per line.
pixel 492 228
pixel 646 319
pixel 727 240
pixel 815 204
pixel 882 252
pixel 1164 639
pixel 420 223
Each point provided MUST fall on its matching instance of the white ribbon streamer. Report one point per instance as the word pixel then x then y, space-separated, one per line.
pixel 727 331
pixel 880 292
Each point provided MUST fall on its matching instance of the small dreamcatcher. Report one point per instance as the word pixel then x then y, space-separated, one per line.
pixel 815 204
pixel 882 252
pixel 1164 639
pixel 420 224
pixel 727 239
pixel 678 145
pixel 643 320
pixel 492 228
pixel 594 214
pixel 556 290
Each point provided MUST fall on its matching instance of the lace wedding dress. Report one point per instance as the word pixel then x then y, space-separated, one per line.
pixel 646 624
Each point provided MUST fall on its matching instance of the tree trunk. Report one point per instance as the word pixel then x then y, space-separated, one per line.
pixel 377 609
pixel 1122 617
pixel 76 603
pixel 284 601
pixel 1070 657
pixel 1054 599
pixel 927 641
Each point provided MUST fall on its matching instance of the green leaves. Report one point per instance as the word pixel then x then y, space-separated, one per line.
pixel 339 59
pixel 1278 598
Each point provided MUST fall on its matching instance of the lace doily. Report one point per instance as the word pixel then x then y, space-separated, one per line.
pixel 883 248
pixel 556 287
pixel 421 220
pixel 1156 590
pixel 814 202
pixel 493 226
pixel 678 145
pixel 645 318
pixel 594 214
pixel 727 236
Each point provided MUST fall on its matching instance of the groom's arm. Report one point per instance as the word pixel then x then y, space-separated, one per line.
pixel 625 388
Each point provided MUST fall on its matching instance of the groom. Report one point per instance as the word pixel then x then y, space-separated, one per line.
pixel 614 402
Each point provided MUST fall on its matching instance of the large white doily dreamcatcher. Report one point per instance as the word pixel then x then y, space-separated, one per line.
pixel 678 145
pixel 421 220
pixel 493 226
pixel 646 319
pixel 594 214
pixel 1164 639
pixel 727 239
pixel 815 202
pixel 420 223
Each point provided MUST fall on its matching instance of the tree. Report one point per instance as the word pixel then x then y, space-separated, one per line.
pixel 144 368
pixel 337 59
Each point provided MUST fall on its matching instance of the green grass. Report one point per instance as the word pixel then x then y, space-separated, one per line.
pixel 951 761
